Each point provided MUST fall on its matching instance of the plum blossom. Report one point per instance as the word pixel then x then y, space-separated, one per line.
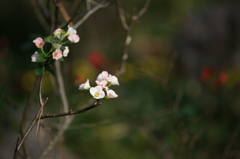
pixel 73 38
pixel 65 51
pixel 57 54
pixel 57 33
pixel 72 35
pixel 111 94
pixel 85 86
pixel 71 30
pixel 39 42
pixel 113 80
pixel 34 57
pixel 103 83
pixel 97 92
pixel 103 76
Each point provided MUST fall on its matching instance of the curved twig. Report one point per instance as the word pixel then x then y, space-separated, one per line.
pixel 128 29
pixel 89 13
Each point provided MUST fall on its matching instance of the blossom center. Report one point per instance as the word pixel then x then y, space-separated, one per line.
pixel 96 94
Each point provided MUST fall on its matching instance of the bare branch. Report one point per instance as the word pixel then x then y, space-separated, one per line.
pixel 16 149
pixel 29 130
pixel 35 119
pixel 142 11
pixel 45 101
pixel 25 114
pixel 128 28
pixel 76 13
pixel 88 5
pixel 89 13
pixel 121 15
pixel 71 112
pixel 64 101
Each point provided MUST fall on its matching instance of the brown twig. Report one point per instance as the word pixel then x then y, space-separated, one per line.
pixel 64 101
pixel 128 28
pixel 25 114
pixel 35 119
pixel 71 112
pixel 75 14
pixel 142 11
pixel 16 149
pixel 89 13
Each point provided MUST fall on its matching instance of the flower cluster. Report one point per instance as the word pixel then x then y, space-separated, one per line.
pixel 54 47
pixel 104 81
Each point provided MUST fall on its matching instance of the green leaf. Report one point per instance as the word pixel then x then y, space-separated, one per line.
pixel 54 40
pixel 47 39
pixel 62 47
pixel 39 70
pixel 61 59
pixel 41 58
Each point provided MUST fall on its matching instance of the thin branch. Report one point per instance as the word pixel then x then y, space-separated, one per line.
pixel 121 15
pixel 39 15
pixel 16 149
pixel 25 114
pixel 142 11
pixel 45 101
pixel 76 13
pixel 83 110
pixel 64 101
pixel 128 29
pixel 63 11
pixel 61 86
pixel 35 119
pixel 88 5
pixel 89 13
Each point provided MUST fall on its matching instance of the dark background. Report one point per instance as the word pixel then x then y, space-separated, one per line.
pixel 178 99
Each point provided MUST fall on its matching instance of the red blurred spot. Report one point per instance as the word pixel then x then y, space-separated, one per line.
pixel 223 77
pixel 79 80
pixel 96 59
pixel 213 78
pixel 206 73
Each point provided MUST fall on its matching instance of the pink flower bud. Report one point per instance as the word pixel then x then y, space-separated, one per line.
pixel 74 38
pixel 39 42
pixel 57 32
pixel 111 94
pixel 57 54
